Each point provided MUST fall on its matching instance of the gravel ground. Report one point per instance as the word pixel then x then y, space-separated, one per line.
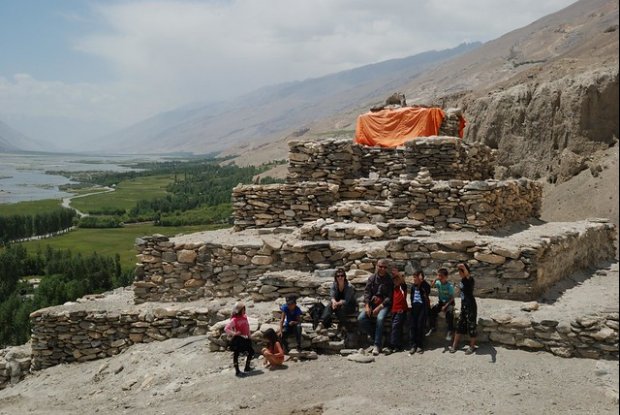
pixel 180 376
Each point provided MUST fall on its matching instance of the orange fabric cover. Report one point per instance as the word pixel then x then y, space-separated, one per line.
pixel 392 127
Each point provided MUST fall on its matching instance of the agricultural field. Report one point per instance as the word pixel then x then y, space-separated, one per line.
pixel 29 208
pixel 109 242
pixel 126 195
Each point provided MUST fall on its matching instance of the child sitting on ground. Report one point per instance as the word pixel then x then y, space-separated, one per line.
pixel 273 353
pixel 239 329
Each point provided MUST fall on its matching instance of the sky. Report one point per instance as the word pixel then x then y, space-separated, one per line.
pixel 75 70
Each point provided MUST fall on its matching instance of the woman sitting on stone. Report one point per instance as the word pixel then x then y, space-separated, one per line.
pixel 342 301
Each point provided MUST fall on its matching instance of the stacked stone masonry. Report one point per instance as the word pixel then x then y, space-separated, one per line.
pixel 591 336
pixel 521 267
pixel 338 160
pixel 482 206
pixel 77 336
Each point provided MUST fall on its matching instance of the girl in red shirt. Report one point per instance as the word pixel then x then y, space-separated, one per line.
pixel 239 329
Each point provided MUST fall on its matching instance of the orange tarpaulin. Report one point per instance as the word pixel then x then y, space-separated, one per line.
pixel 392 127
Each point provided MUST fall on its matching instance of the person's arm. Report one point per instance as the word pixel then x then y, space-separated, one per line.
pixel 387 291
pixel 368 296
pixel 349 295
pixel 277 350
pixel 282 317
pixel 451 292
pixel 230 328
pixel 333 291
pixel 297 318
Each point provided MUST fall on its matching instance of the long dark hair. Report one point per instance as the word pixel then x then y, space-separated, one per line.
pixel 340 271
pixel 271 337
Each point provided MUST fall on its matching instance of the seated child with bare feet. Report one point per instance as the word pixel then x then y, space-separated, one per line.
pixel 273 353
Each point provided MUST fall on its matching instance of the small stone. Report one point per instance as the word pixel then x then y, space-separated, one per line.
pixel 360 358
pixel 530 306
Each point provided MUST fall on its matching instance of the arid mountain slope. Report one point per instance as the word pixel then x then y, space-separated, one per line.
pixel 534 93
pixel 270 112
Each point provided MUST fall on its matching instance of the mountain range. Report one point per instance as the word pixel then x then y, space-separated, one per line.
pixel 12 140
pixel 273 111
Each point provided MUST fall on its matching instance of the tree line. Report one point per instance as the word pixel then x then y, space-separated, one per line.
pixel 199 193
pixel 63 277
pixel 15 227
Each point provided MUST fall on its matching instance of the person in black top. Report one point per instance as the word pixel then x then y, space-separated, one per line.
pixel 469 313
pixel 342 300
pixel 420 306
pixel 377 303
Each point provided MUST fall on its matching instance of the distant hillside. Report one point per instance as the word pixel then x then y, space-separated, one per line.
pixel 545 95
pixel 13 140
pixel 271 112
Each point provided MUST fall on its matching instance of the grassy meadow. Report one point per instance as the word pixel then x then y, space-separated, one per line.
pixel 126 195
pixel 110 241
pixel 29 207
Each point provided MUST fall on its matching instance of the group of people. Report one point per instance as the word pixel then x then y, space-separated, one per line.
pixel 385 294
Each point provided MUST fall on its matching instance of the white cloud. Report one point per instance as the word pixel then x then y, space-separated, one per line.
pixel 167 53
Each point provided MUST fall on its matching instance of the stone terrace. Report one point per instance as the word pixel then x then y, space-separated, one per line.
pixel 216 264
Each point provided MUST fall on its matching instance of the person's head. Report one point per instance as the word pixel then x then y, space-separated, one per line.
pixel 291 302
pixel 270 336
pixel 382 267
pixel 418 276
pixel 238 309
pixel 397 276
pixel 340 275
pixel 463 269
pixel 442 275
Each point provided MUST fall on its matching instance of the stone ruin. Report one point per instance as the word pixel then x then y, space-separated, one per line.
pixel 433 202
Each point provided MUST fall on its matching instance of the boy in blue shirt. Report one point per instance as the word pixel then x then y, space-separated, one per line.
pixel 445 293
pixel 290 322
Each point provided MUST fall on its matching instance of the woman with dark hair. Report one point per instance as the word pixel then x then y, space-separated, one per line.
pixel 342 300
pixel 420 305
pixel 469 312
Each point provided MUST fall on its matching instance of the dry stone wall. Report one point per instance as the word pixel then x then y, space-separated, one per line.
pixel 591 336
pixel 482 206
pixel 281 204
pixel 60 336
pixel 338 160
pixel 519 268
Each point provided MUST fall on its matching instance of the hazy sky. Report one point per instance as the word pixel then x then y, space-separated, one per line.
pixel 72 70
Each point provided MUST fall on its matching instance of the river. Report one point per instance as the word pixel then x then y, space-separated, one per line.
pixel 22 176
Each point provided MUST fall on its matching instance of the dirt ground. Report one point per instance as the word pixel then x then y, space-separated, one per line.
pixel 181 376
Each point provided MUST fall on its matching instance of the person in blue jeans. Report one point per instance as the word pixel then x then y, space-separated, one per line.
pixel 445 303
pixel 377 304
pixel 290 322
pixel 420 305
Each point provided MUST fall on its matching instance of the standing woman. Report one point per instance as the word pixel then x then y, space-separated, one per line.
pixel 469 311
pixel 420 304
